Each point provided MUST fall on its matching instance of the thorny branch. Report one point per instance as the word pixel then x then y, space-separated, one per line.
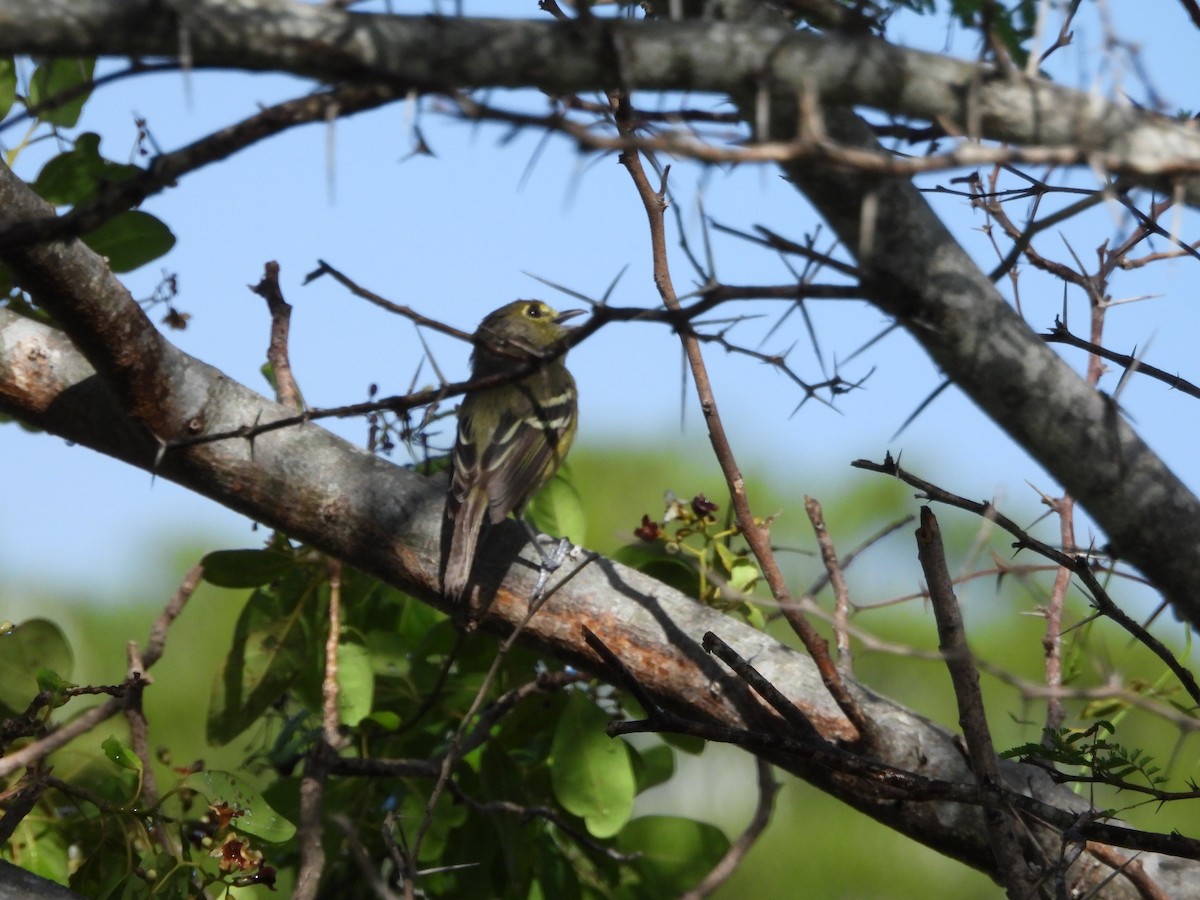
pixel 734 150
pixel 892 782
pixel 756 535
pixel 1080 565
pixel 1060 334
pixel 34 753
pixel 602 315
pixel 165 170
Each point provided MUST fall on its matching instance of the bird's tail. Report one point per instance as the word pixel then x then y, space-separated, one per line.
pixel 464 521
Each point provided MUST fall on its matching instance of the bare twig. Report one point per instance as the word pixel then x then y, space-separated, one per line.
pixel 165 170
pixel 323 757
pixel 1060 334
pixel 311 825
pixel 32 110
pixel 756 535
pixel 323 268
pixel 89 719
pixel 837 579
pixel 1146 886
pixel 330 718
pixel 778 702
pixel 1056 713
pixel 136 681
pixel 1018 879
pixel 1080 564
pixel 286 390
pixel 732 149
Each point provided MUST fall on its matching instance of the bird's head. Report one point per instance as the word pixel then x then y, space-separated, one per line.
pixel 521 330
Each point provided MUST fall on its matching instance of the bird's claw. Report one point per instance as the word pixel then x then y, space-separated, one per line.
pixel 553 559
pixel 550 562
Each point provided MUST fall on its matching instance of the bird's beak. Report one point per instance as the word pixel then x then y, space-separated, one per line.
pixel 569 314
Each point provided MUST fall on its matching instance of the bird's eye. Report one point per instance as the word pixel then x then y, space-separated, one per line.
pixel 533 311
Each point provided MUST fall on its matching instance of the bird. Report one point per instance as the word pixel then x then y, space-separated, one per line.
pixel 511 437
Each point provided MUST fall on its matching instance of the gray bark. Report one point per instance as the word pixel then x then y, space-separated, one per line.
pixel 437 53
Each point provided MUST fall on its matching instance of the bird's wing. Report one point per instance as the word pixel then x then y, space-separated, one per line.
pixel 527 448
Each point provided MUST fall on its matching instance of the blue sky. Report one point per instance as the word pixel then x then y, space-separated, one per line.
pixel 454 236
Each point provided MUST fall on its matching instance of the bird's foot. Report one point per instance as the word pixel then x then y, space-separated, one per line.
pixel 551 560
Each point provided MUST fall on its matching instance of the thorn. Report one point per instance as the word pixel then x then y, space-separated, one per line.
pixel 158 458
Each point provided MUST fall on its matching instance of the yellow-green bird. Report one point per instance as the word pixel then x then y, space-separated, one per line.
pixel 511 437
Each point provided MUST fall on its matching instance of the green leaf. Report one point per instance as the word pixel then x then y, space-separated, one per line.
pixel 356 683
pixel 727 557
pixel 121 755
pixel 383 719
pixel 673 853
pixel 39 849
pixel 419 622
pixel 590 771
pixel 52 79
pixel 105 868
pixel 57 687
pixel 754 616
pixel 79 173
pixel 267 656
pixel 390 653
pixel 656 562
pixel 557 510
pixel 743 574
pixel 246 568
pixel 25 651
pixel 8 84
pixel 257 816
pixel 130 239
pixel 652 766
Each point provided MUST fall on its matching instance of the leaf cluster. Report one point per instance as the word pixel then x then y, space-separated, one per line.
pixel 540 801
pixel 1089 750
pixel 689 549
pixel 53 95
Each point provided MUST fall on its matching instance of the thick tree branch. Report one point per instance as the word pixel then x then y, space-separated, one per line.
pixel 914 270
pixel 439 54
